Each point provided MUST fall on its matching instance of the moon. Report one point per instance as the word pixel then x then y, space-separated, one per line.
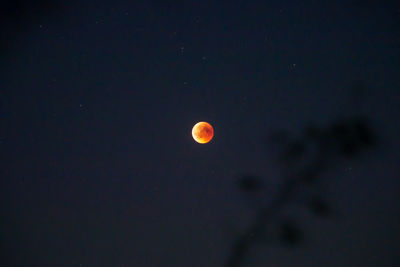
pixel 202 132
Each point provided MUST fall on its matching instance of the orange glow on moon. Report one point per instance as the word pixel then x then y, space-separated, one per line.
pixel 202 132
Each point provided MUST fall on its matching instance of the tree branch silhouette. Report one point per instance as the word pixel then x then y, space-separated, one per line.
pixel 346 138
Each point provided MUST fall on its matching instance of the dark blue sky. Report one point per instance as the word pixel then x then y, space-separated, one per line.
pixel 97 104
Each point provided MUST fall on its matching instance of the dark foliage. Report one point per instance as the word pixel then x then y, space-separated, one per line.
pixel 290 234
pixel 249 184
pixel 320 207
pixel 312 151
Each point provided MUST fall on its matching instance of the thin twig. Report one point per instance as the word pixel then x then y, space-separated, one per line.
pixel 244 242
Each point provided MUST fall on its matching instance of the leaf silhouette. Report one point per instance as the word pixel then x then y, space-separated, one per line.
pixel 320 207
pixel 294 150
pixel 290 234
pixel 249 183
pixel 364 133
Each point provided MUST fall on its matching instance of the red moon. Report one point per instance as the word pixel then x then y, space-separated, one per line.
pixel 202 132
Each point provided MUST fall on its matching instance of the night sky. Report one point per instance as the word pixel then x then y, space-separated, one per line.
pixel 99 168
